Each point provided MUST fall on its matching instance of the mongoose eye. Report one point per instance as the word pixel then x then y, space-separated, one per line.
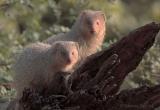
pixel 88 22
pixel 97 22
pixel 63 53
pixel 72 53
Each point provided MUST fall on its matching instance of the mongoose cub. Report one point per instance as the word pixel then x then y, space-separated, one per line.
pixel 37 64
pixel 88 31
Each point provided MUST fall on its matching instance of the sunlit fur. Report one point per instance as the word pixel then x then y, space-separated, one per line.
pixel 88 31
pixel 37 63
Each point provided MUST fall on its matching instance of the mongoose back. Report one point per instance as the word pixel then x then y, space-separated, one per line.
pixel 38 62
pixel 88 31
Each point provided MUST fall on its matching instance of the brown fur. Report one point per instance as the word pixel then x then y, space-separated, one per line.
pixel 36 65
pixel 88 31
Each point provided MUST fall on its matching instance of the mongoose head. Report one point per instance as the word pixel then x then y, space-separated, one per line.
pixel 65 55
pixel 92 23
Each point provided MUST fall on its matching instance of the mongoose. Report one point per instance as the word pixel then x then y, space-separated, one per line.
pixel 37 64
pixel 88 31
pixel 59 84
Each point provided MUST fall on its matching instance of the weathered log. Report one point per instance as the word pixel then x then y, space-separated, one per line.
pixel 96 83
pixel 130 50
pixel 143 98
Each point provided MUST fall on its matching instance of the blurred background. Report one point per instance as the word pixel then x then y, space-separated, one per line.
pixel 26 21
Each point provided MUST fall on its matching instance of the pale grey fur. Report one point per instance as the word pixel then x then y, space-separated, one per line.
pixel 87 44
pixel 33 68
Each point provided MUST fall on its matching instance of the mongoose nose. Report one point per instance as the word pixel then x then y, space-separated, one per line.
pixel 92 30
pixel 68 60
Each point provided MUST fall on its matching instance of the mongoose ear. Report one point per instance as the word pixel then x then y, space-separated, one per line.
pixel 77 45
pixel 57 44
pixel 103 16
pixel 83 13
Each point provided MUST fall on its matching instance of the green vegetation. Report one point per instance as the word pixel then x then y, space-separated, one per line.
pixel 26 21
